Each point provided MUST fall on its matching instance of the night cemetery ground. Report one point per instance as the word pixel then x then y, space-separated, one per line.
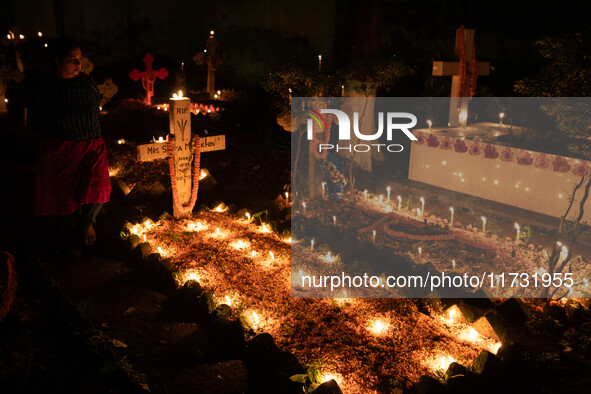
pixel 205 304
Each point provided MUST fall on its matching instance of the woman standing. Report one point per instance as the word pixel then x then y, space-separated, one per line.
pixel 72 173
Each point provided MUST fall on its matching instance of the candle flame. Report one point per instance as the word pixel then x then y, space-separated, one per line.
pixel 517 227
pixel 272 255
pixel 193 276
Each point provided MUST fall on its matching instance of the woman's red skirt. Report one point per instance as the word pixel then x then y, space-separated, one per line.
pixel 69 174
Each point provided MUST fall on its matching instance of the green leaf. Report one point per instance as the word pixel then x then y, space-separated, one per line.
pixel 299 378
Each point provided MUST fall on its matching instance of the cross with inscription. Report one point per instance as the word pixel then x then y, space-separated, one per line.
pixel 183 155
pixel 464 74
pixel 148 77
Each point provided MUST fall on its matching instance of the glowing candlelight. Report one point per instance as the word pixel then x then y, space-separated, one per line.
pixel 217 231
pixel 388 190
pixel 517 233
pixel 365 194
pixel 334 220
pixel 453 264
pixel 399 202
pixel 378 327
pixel 253 253
pixel 272 255
pixel 323 186
pixel 342 90
pixel 501 116
pixel 312 244
pixel 381 197
pixel 430 123
pixel 144 237
pixel 483 225
pixel 248 216
pixel 160 250
pixel 463 116
pixel 451 220
pixel 289 89
pixel 287 197
pixel 422 205
pixel 40 34
pixel 319 63
pixel 419 213
pixel 373 237
pixel 304 205
pixel 563 255
pixel 193 276
pixel 444 362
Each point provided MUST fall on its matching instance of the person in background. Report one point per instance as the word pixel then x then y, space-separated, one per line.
pixel 72 179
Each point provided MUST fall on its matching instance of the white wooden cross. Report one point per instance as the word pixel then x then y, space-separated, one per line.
pixel 180 130
pixel 464 74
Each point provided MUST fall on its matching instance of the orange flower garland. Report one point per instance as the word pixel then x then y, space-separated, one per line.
pixel 183 209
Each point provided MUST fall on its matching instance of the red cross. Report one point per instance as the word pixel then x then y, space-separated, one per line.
pixel 148 77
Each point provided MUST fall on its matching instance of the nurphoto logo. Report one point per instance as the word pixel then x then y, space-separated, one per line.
pixel 344 123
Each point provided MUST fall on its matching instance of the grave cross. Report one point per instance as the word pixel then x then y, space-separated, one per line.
pixel 464 74
pixel 148 77
pixel 182 154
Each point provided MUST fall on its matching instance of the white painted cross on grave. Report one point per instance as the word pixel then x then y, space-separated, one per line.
pixel 464 74
pixel 186 167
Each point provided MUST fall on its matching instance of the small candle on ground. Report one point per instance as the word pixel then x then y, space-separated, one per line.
pixel 422 205
pixel 518 232
pixel 483 225
pixel 373 237
pixel 451 220
pixel 388 190
pixel 399 202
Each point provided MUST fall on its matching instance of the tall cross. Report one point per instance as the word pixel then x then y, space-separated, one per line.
pixel 464 74
pixel 148 77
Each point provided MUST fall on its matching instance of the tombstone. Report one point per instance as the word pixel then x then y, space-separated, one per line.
pixel 464 75
pixel 148 77
pixel 180 147
pixel 213 59
pixel 107 89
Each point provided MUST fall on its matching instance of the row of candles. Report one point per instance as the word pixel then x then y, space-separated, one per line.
pixel 421 213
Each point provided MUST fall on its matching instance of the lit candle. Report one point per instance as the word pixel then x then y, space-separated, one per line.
pixel 342 90
pixel 272 255
pixel 399 202
pixel 312 244
pixel 365 194
pixel 319 63
pixel 373 237
pixel 248 216
pixel 334 220
pixel 304 205
pixel 388 190
pixel 287 197
pixel 289 95
pixel 323 186
pixel 483 225
pixel 453 264
pixel 420 253
pixel 501 116
pixel 517 233
pixel 430 123
pixel 419 212
pixel 451 221
pixel 422 205
pixel 381 197
pixel 563 255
